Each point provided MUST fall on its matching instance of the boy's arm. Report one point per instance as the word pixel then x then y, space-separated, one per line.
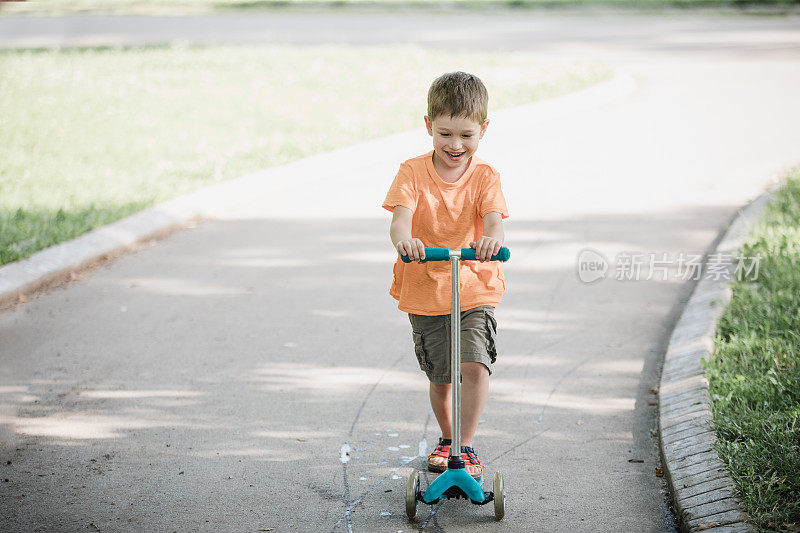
pixel 493 237
pixel 400 233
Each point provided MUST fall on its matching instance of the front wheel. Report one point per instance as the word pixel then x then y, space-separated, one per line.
pixel 499 496
pixel 412 488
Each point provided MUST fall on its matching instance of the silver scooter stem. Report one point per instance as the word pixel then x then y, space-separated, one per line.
pixel 455 354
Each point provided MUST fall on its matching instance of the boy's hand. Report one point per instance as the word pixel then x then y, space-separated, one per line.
pixel 486 247
pixel 413 248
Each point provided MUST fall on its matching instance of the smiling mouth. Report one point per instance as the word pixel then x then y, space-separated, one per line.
pixel 455 155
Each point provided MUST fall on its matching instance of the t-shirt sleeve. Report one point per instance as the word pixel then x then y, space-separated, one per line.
pixel 403 191
pixel 492 199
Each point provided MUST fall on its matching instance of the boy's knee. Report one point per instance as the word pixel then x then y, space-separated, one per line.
pixel 473 371
pixel 440 388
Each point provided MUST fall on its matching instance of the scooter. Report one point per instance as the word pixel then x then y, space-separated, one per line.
pixel 455 482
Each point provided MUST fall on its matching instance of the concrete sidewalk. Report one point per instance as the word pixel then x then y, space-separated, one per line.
pixel 217 380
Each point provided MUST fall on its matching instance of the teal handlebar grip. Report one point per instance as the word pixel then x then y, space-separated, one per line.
pixel 432 254
pixel 467 254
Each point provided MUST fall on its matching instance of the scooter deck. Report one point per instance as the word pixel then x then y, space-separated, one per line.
pixel 459 478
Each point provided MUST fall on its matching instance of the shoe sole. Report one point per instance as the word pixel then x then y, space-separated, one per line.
pixel 438 469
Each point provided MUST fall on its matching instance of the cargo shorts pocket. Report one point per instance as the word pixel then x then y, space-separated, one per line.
pixel 491 333
pixel 419 349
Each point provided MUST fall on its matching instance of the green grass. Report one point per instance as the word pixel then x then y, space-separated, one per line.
pixel 754 374
pixel 182 7
pixel 88 136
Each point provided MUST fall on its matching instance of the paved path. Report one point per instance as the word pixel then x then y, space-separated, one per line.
pixel 212 381
pixel 601 32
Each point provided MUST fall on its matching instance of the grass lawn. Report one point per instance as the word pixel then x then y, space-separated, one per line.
pixel 178 7
pixel 754 374
pixel 88 136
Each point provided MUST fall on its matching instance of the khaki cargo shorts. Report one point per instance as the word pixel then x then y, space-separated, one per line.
pixel 432 341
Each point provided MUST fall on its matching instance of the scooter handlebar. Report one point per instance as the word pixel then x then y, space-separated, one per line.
pixel 467 254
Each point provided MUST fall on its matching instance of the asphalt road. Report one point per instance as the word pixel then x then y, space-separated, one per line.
pixel 216 380
pixel 585 34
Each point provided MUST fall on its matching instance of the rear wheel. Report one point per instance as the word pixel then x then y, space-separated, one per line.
pixel 412 488
pixel 499 496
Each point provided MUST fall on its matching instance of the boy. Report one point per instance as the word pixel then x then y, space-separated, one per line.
pixel 451 198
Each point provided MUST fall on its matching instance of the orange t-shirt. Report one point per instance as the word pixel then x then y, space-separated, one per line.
pixel 446 215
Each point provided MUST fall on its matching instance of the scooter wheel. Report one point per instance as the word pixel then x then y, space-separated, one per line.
pixel 499 496
pixel 412 488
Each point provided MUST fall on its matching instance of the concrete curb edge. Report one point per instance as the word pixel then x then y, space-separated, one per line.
pixel 703 494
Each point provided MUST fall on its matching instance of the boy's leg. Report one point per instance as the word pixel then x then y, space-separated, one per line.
pixel 474 391
pixel 441 402
pixel 442 405
pixel 478 328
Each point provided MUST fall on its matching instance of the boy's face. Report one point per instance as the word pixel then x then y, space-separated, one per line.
pixel 455 139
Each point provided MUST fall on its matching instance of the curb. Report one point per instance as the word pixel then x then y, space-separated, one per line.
pixel 703 494
pixel 61 262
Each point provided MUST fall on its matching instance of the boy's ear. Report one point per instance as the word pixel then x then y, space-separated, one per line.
pixel 429 125
pixel 483 127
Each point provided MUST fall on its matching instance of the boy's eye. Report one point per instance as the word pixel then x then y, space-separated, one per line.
pixel 445 134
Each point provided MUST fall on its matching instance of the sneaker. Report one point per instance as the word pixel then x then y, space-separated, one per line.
pixel 437 460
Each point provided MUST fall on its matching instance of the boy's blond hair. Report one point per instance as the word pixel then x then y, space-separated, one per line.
pixel 458 94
